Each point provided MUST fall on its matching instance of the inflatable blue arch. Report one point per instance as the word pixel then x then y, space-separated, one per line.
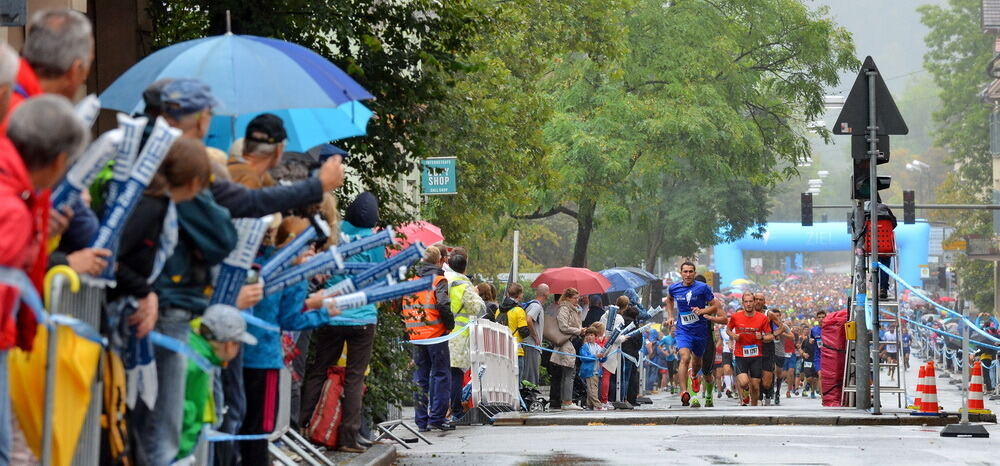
pixel 912 243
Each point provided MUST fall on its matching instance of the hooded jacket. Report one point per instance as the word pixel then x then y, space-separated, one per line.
pixel 23 228
pixel 206 236
pixel 367 314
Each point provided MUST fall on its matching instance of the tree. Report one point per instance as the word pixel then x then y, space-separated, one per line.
pixel 713 93
pixel 494 116
pixel 956 59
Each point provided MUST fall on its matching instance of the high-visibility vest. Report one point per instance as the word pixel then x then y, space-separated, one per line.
pixel 421 316
pixel 457 283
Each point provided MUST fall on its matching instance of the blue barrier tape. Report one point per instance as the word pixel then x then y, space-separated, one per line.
pixel 585 358
pixel 260 323
pixel 942 332
pixel 936 305
pixel 81 328
pixel 236 438
pixel 433 341
pixel 179 347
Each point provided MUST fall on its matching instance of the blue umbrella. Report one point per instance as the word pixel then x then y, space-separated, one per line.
pixel 306 127
pixel 640 273
pixel 247 74
pixel 622 280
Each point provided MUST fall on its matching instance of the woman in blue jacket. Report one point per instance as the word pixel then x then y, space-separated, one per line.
pixel 262 362
pixel 355 327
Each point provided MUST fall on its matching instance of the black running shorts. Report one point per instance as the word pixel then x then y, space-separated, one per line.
pixel 750 366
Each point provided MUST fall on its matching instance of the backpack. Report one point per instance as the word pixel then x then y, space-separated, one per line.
pixel 114 431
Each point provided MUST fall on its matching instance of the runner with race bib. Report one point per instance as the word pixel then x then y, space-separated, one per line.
pixel 750 330
pixel 693 301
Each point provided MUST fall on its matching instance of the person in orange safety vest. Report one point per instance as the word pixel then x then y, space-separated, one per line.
pixel 428 315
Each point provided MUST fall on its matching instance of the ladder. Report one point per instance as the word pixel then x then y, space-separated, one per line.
pixel 888 314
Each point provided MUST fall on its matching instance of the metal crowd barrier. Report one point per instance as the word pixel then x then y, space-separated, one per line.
pixel 84 305
pixel 495 385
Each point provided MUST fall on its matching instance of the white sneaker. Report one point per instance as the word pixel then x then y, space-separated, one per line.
pixel 572 407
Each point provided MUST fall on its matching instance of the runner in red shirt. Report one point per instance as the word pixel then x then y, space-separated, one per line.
pixel 750 330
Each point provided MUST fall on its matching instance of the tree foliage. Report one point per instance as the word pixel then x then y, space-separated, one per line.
pixel 956 59
pixel 709 97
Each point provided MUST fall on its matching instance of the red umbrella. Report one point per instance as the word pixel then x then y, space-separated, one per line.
pixel 585 281
pixel 425 232
pixel 946 299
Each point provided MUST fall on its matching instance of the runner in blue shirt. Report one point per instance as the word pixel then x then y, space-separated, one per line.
pixel 693 301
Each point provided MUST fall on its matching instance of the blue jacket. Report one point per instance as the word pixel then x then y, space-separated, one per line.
pixel 588 367
pixel 283 309
pixel 365 314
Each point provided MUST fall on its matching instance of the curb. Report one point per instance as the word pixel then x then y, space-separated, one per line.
pixel 378 455
pixel 884 420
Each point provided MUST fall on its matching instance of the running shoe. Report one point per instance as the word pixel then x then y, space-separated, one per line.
pixel 805 393
pixel 788 394
pixel 572 407
pixel 695 403
pixel 767 401
pixel 729 393
pixel 709 403
pixel 813 394
pixel 696 385
pixel 718 394
pixel 745 401
pixel 777 400
pixel 685 399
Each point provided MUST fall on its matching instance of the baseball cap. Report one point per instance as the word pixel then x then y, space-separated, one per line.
pixel 227 324
pixel 266 128
pixel 185 96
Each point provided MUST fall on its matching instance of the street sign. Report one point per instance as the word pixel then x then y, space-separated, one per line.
pixel 954 245
pixel 853 117
pixel 439 176
pixel 925 272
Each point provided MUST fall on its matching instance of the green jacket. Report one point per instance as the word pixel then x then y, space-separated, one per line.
pixel 199 402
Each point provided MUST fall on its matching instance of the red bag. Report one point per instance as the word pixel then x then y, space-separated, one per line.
pixel 832 357
pixel 325 423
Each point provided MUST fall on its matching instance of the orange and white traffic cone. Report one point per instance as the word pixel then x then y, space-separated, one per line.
pixel 976 390
pixel 920 389
pixel 929 402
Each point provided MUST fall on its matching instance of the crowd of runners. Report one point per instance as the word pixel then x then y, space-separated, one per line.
pixel 752 347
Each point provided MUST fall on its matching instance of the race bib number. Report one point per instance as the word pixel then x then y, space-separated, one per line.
pixel 688 319
pixel 807 365
pixel 750 351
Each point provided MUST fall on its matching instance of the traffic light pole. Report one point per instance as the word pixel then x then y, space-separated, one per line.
pixel 873 251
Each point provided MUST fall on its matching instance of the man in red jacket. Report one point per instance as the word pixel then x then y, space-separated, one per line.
pixel 43 137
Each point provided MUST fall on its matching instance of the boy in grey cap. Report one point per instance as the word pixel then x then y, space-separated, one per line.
pixel 216 337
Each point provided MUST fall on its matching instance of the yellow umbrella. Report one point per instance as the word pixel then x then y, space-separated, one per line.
pixel 741 281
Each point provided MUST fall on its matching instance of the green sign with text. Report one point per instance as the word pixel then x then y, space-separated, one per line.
pixel 439 176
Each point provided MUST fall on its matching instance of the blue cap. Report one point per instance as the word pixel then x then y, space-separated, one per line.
pixel 185 96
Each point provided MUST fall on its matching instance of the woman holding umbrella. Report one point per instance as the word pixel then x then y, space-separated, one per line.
pixel 569 326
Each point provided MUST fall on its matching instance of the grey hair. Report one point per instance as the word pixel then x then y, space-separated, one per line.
pixel 8 65
pixel 261 149
pixel 56 39
pixel 45 126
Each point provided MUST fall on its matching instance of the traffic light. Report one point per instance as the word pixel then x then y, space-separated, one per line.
pixel 860 180
pixel 909 208
pixel 862 167
pixel 807 209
